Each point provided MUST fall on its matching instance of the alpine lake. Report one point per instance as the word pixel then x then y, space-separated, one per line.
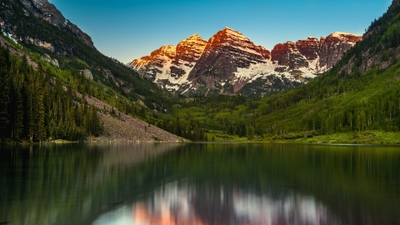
pixel 199 184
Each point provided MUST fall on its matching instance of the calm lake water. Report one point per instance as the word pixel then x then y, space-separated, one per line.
pixel 171 184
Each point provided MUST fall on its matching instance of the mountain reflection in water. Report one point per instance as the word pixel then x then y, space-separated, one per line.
pixel 187 204
pixel 143 184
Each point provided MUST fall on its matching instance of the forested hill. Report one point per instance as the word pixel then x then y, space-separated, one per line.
pixel 45 104
pixel 49 69
pixel 35 104
pixel 44 91
pixel 360 95
pixel 42 29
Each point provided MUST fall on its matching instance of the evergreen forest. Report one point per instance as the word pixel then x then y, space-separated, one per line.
pixel 359 96
pixel 37 106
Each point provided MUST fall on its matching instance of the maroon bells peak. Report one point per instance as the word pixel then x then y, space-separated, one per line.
pixel 230 63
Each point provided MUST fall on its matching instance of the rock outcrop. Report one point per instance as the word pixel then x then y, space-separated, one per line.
pixel 333 47
pixel 52 15
pixel 52 61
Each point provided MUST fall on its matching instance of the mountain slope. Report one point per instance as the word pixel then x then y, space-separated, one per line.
pixel 39 26
pixel 358 98
pixel 55 84
pixel 230 63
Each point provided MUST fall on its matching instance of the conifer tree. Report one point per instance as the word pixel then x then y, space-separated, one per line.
pixel 4 92
pixel 30 105
pixel 17 125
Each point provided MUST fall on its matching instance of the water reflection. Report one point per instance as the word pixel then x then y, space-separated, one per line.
pixel 67 184
pixel 199 184
pixel 184 204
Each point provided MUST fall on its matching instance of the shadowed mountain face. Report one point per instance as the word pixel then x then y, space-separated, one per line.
pixel 40 9
pixel 230 63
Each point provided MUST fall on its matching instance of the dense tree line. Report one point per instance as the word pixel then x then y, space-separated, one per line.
pixel 190 129
pixel 37 106
pixel 355 95
pixel 74 55
pixel 332 103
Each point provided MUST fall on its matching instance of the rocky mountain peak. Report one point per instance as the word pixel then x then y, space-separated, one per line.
pixel 191 49
pixel 43 9
pixel 229 61
pixel 309 47
pixel 227 35
pixel 52 14
pixel 39 3
pixel 233 33
pixel 344 36
pixel 234 43
pixel 334 46
pixel 192 41
pixel 195 37
pixel 168 51
pixel 281 49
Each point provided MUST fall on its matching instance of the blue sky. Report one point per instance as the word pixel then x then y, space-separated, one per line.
pixel 129 29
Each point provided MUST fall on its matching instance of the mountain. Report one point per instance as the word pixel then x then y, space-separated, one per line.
pixel 55 84
pixel 356 101
pixel 170 65
pixel 230 63
pixel 44 10
pixel 40 27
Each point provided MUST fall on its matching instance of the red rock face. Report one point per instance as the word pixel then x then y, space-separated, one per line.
pixel 157 57
pixel 289 58
pixel 281 50
pixel 229 60
pixel 227 51
pixel 334 46
pixel 190 49
pixel 264 52
pixel 309 48
pixel 328 51
pixel 152 65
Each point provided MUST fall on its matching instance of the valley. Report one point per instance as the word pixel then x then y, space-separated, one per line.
pixel 56 85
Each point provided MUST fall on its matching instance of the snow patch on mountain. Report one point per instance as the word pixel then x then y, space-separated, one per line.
pixel 255 71
pixel 229 57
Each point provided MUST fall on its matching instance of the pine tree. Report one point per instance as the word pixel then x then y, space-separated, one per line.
pixel 4 92
pixel 31 106
pixel 40 117
pixel 94 126
pixel 18 118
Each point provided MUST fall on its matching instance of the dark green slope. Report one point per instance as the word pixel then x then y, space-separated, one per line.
pixel 74 55
pixel 41 101
pixel 360 93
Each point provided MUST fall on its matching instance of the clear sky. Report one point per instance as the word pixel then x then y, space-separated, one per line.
pixel 129 29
